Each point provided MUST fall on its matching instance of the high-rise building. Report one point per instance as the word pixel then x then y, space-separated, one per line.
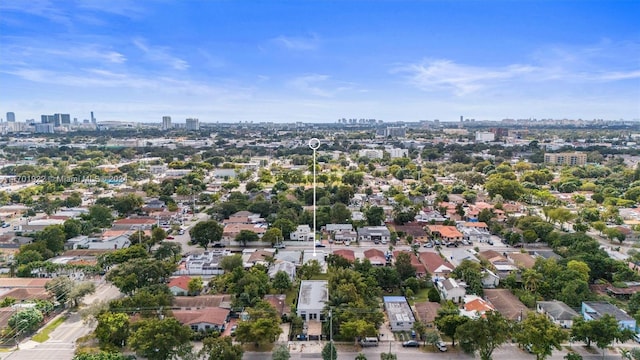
pixel 166 122
pixel 47 119
pixel 11 117
pixel 192 124
pixel 62 119
pixel 93 120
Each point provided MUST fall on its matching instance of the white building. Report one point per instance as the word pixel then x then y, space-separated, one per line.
pixel 450 289
pixel 192 124
pixel 485 136
pixel 371 153
pixel 313 296
pixel 399 312
pixel 302 233
pixel 166 122
pixel 397 153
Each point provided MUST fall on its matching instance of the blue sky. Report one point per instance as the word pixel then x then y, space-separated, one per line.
pixel 317 61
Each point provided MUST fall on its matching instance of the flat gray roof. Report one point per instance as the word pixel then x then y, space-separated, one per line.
pixel 314 294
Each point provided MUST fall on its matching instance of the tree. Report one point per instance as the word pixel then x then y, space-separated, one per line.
pixel 538 332
pixel 329 351
pixel 281 282
pixel 60 287
pixel 433 295
pixel 232 262
pixel 157 339
pixel 100 216
pixel 374 215
pixel 127 204
pixel 112 329
pixel 263 326
pixel 404 267
pixel 356 329
pixel 420 328
pixel 206 232
pixel 309 269
pixel 25 321
pixel 157 235
pixel 361 356
pixel 604 331
pixel 54 238
pixel 102 355
pixel 281 353
pixel 246 236
pixel 272 236
pixel 431 338
pixel 484 334
pixel 388 356
pixel 80 290
pixel 137 273
pixel 448 320
pixel 195 285
pixel 220 348
pixel 168 250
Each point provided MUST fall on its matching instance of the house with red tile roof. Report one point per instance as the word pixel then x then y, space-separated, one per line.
pixel 475 306
pixel 205 319
pixel 445 232
pixel 435 264
pixel 179 285
pixel 376 257
pixel 346 253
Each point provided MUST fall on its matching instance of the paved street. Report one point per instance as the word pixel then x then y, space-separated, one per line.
pixel 506 352
pixel 62 341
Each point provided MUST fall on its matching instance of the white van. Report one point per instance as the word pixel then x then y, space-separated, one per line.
pixel 369 342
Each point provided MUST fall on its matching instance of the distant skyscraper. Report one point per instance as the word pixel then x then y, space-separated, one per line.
pixel 93 120
pixel 47 119
pixel 62 119
pixel 11 117
pixel 166 122
pixel 192 124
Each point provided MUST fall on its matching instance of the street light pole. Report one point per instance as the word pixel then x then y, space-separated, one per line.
pixel 314 144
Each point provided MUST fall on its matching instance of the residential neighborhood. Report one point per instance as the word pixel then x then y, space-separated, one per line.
pixel 429 245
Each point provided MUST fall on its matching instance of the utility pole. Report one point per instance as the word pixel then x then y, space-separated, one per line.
pixel 314 144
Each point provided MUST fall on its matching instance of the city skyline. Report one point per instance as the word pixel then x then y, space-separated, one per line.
pixel 320 61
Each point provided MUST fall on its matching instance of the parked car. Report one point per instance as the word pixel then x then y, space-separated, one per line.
pixel 411 343
pixel 319 244
pixel 170 238
pixel 233 330
pixel 428 245
pixel 181 232
pixel 441 346
pixel 218 245
pixel 279 246
pixel 6 225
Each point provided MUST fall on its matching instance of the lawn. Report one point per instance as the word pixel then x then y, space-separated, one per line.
pixel 420 296
pixel 43 335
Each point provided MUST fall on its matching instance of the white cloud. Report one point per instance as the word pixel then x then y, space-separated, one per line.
pixel 297 43
pixel 160 55
pixel 434 75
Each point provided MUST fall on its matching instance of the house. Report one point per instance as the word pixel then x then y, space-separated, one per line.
pixel 317 255
pixel 377 234
pixel 558 312
pixel 201 302
pixel 345 236
pixel 522 260
pixel 506 303
pixel 281 265
pixel 475 231
pixel 179 285
pixel 475 306
pixel 376 257
pixel 332 228
pixel 244 217
pixel 399 313
pixel 445 232
pixel 426 312
pixel 279 303
pixel 593 310
pixel 134 223
pixel 205 319
pixel 489 279
pixel 302 233
pixel 312 298
pixel 292 256
pixel 450 289
pixel 435 264
pixel 413 229
pixel 231 231
pixel 206 263
pixel 348 254
pixel 459 255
